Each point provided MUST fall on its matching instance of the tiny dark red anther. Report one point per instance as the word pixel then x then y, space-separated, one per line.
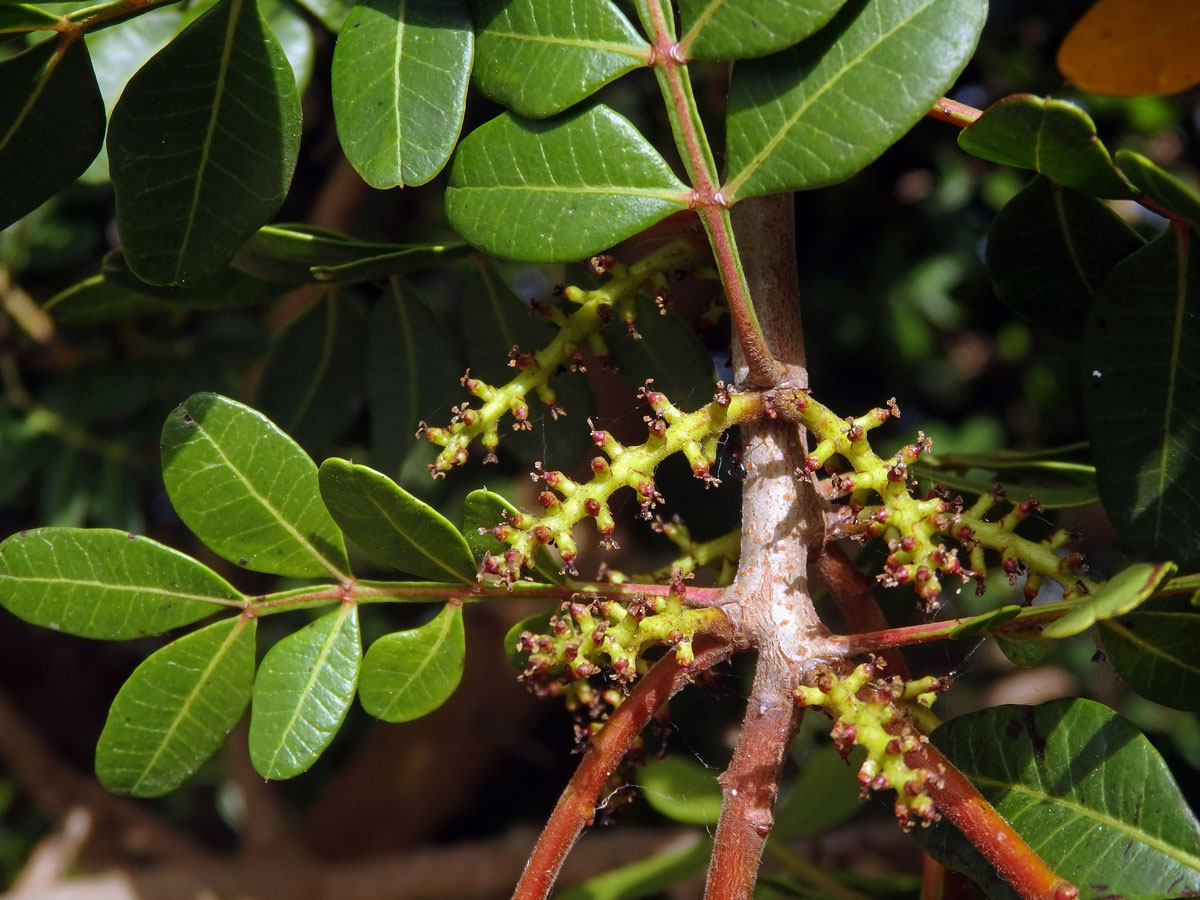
pixel 902 575
pixel 599 464
pixel 591 506
pixel 657 427
pixel 1011 566
pixel 547 499
pixel 1066 891
pixel 542 534
pixel 599 438
pixel 907 543
pixel 811 464
pixel 881 782
pixel 881 515
pixel 1075 562
pixel 826 682
pixel 913 788
pixel 646 489
pixel 965 533
pixel 897 473
pixel 856 433
pixel 894 747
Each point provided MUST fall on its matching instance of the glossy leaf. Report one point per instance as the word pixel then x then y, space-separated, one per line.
pixel 1141 356
pixel 305 685
pixel 310 385
pixel 400 72
pixel 494 321
pixel 1050 250
pixel 818 113
pixel 394 526
pixel 1122 593
pixel 101 583
pixel 1160 185
pixel 17 18
pixel 540 58
pixel 248 491
pixel 1049 495
pixel 738 29
pixel 484 510
pixel 1126 48
pixel 409 365
pixel 825 795
pixel 202 145
pixel 668 351
pixel 1085 789
pixel 1155 654
pixel 176 709
pixel 682 790
pixel 409 674
pixel 295 35
pixel 558 190
pixel 42 89
pixel 1053 137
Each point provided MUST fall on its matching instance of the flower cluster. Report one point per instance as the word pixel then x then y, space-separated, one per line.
pixel 888 718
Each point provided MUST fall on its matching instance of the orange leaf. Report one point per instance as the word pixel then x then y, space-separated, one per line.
pixel 1123 48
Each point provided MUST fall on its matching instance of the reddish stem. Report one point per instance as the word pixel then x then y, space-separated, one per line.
pixel 959 801
pixel 879 641
pixel 751 784
pixel 852 592
pixel 577 805
pixel 953 112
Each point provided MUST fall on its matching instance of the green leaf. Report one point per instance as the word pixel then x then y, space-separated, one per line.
pixel 16 18
pixel 668 351
pixel 1122 593
pixel 1155 654
pixel 1160 185
pixel 248 491
pixel 394 526
pixel 310 385
pixel 97 300
pixel 538 623
pixel 1023 648
pixel 1141 359
pixel 818 113
pixel 202 145
pixel 650 877
pixel 984 622
pixel 1087 791
pixel 682 790
pixel 824 796
pixel 45 87
pixel 330 13
pixel 1053 137
pixel 176 709
pixel 101 583
pixel 409 365
pixel 305 685
pixel 296 253
pixel 409 674
pixel 400 72
pixel 221 290
pixel 1049 495
pixel 1050 250
pixel 295 35
pixel 540 58
pixel 564 189
pixel 739 29
pixel 484 510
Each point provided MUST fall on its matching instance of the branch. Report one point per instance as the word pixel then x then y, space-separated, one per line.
pixel 853 593
pixel 953 112
pixel 577 805
pixel 959 801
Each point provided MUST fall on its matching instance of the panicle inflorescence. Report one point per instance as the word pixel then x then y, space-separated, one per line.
pixel 924 534
pixel 577 330
pixel 888 718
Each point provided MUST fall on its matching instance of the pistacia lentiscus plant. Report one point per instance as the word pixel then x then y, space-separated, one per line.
pixel 202 135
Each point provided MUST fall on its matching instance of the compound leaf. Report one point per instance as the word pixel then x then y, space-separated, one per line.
pixel 818 113
pixel 176 709
pixel 541 58
pixel 1155 654
pixel 102 583
pixel 1141 356
pixel 305 685
pixel 42 88
pixel 1087 791
pixel 1126 48
pixel 248 491
pixel 1050 250
pixel 1053 137
pixel 739 29
pixel 394 526
pixel 400 72
pixel 563 189
pixel 202 145
pixel 1122 593
pixel 408 674
pixel 309 387
pixel 1160 185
